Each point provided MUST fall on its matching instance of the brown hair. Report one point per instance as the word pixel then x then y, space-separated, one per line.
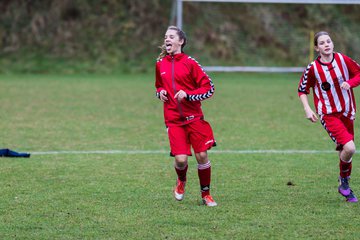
pixel 319 34
pixel 181 35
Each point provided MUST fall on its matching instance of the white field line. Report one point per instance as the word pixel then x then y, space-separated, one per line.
pixel 167 152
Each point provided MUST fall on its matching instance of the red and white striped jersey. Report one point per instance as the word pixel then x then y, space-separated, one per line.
pixel 326 79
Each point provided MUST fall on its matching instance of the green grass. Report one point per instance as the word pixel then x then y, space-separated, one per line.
pixel 128 196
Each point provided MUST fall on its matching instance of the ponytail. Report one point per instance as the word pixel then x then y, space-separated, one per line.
pixel 162 53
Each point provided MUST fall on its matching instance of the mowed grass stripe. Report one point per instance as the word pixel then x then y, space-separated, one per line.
pixel 268 151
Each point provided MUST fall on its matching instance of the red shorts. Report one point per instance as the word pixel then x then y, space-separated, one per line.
pixel 197 134
pixel 339 128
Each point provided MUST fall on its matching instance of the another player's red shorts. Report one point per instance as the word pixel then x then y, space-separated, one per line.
pixel 339 127
pixel 197 134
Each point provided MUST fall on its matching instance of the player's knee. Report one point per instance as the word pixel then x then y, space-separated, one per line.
pixel 202 157
pixel 349 148
pixel 181 160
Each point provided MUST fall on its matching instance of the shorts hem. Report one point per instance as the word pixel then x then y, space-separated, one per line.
pixel 173 155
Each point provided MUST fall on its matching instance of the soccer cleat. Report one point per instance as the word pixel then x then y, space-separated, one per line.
pixel 209 201
pixel 179 190
pixel 344 188
pixel 351 197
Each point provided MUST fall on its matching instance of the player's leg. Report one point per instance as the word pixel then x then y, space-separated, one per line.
pixel 341 130
pixel 345 156
pixel 345 164
pixel 202 139
pixel 180 150
pixel 181 166
pixel 204 173
pixel 347 151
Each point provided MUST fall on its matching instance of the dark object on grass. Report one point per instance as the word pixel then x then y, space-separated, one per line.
pixel 9 153
pixel 289 183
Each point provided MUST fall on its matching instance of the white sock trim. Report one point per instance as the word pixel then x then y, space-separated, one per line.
pixel 347 161
pixel 204 165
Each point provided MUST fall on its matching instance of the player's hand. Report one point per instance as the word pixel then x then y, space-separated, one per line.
pixel 309 114
pixel 180 95
pixel 163 96
pixel 345 86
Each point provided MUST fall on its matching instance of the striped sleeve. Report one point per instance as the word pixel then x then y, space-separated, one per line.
pixel 158 81
pixel 206 87
pixel 305 84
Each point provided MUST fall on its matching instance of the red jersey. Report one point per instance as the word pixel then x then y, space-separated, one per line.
pixel 182 72
pixel 326 79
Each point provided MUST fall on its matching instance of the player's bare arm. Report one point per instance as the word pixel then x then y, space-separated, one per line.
pixel 309 113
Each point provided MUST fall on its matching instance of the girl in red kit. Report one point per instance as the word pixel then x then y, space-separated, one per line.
pixel 181 84
pixel 332 76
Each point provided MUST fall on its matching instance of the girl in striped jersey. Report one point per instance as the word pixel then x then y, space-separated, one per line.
pixel 332 76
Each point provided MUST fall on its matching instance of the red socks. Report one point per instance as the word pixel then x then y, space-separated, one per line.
pixel 204 172
pixel 345 168
pixel 181 172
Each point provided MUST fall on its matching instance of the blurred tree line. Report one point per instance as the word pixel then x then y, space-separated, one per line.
pixel 109 36
pixel 80 35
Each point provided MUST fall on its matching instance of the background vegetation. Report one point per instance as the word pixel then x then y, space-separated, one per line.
pixel 109 36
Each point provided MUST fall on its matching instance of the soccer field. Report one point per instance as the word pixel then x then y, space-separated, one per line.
pixel 100 165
